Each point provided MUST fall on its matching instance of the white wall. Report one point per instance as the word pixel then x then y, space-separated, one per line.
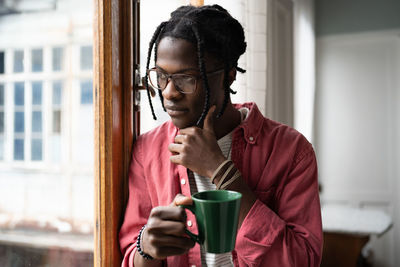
pixel 357 127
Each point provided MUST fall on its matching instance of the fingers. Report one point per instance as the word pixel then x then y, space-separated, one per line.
pixel 170 241
pixel 162 246
pixel 175 148
pixel 163 238
pixel 209 120
pixel 171 213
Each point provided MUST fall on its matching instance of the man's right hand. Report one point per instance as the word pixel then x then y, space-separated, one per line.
pixel 164 234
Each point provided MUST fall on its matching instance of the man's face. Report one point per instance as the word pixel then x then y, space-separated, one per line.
pixel 180 56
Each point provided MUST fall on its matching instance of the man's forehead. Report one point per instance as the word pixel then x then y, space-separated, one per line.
pixel 179 53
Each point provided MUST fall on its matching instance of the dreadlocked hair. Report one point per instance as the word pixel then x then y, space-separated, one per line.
pixel 212 30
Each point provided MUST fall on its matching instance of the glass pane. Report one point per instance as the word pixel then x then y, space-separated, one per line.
pixel 37 121
pixel 86 92
pixel 57 93
pixel 37 60
pixel 58 53
pixel 18 61
pixel 1 122
pixel 19 94
pixel 57 121
pixel 1 94
pixel 37 93
pixel 19 122
pixel 2 63
pixel 19 149
pixel 46 217
pixel 36 153
pixel 86 58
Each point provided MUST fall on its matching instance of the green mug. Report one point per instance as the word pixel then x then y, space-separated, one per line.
pixel 217 214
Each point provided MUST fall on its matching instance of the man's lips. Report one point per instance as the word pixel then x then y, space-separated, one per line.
pixel 175 111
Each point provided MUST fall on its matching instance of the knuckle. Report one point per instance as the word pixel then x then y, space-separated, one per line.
pixel 156 212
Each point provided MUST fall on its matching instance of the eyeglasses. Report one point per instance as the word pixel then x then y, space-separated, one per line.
pixel 184 83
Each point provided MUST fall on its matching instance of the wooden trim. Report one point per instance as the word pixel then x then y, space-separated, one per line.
pixel 114 122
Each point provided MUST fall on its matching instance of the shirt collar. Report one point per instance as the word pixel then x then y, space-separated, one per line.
pixel 252 125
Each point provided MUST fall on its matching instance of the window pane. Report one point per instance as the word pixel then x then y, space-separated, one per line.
pixel 37 93
pixel 57 92
pixel 58 56
pixel 1 94
pixel 56 121
pixel 37 60
pixel 37 121
pixel 1 122
pixel 86 58
pixel 86 92
pixel 18 61
pixel 36 153
pixel 19 94
pixel 41 99
pixel 2 62
pixel 19 121
pixel 18 149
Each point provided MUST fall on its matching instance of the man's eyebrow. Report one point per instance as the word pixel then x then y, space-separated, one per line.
pixel 180 71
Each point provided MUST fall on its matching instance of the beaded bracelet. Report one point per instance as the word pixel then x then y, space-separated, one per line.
pixel 139 249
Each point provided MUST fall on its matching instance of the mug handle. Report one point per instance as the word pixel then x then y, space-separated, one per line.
pixel 194 237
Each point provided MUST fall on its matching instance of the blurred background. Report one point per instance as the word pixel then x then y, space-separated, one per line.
pixel 328 68
pixel 46 133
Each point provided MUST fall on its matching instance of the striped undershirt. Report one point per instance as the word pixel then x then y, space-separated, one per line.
pixel 201 183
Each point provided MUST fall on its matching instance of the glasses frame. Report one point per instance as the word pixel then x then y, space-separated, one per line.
pixel 171 77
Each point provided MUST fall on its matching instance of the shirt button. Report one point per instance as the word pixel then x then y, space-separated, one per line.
pixel 189 223
pixel 251 138
pixel 183 181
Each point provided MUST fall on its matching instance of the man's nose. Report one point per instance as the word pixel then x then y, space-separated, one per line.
pixel 170 91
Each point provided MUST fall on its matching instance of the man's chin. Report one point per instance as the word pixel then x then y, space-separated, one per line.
pixel 181 124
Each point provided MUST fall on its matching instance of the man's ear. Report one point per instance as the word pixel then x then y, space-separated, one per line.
pixel 232 76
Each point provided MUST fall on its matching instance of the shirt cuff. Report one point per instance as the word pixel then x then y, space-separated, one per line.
pixel 257 233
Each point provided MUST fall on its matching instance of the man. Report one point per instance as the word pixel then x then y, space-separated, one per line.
pixel 196 55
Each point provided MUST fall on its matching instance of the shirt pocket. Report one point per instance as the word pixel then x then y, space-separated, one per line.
pixel 267 196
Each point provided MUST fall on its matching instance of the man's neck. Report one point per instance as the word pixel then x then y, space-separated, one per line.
pixel 227 122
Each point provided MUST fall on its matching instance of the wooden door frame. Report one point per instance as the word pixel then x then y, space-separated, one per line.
pixel 115 57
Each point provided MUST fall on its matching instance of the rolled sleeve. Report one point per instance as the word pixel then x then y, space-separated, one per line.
pixel 291 234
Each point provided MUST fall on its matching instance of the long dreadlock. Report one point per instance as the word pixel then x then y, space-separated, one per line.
pixel 211 29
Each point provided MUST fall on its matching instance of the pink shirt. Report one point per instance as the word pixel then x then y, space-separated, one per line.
pixel 283 227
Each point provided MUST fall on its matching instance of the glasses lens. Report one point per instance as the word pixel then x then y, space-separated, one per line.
pixel 157 79
pixel 185 83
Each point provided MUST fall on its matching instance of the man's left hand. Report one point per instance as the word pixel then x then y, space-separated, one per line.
pixel 197 149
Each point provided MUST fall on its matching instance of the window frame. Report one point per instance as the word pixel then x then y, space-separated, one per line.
pixel 115 55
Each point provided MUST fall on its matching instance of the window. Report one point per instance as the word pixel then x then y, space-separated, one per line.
pixel 56 106
pixel 44 56
pixel 19 120
pixel 18 61
pixel 86 58
pixel 2 63
pixel 57 58
pixel 37 122
pixel 86 92
pixel 37 60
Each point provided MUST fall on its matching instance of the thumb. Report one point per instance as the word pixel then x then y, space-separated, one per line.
pixel 181 200
pixel 209 120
